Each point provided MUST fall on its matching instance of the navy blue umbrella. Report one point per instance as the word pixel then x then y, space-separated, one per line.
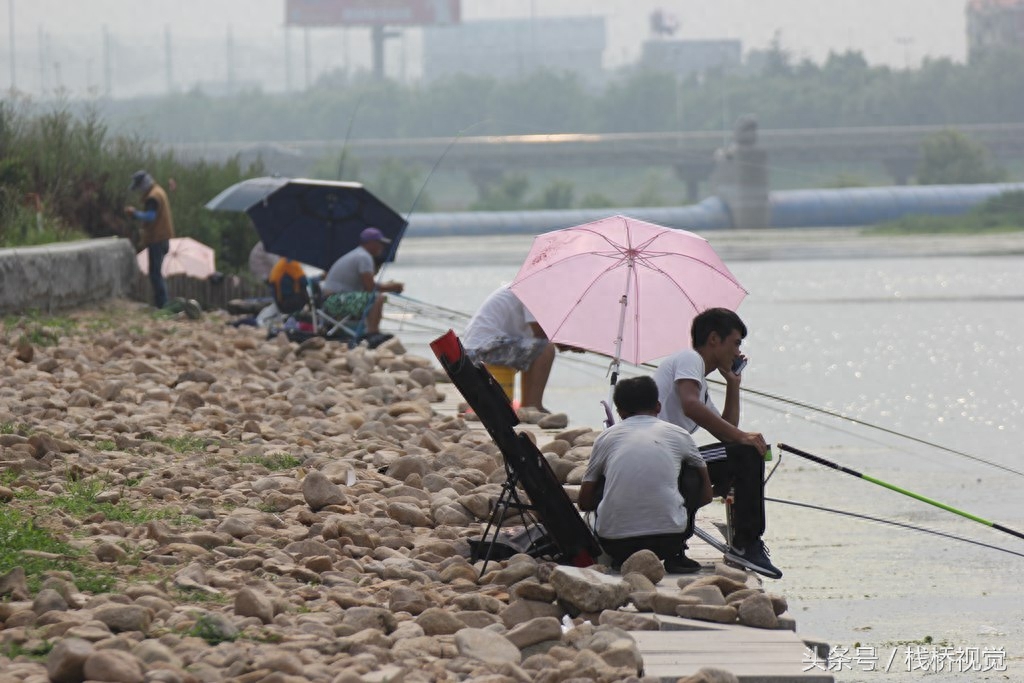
pixel 311 221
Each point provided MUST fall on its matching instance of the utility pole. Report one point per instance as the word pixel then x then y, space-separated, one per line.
pixel 168 59
pixel 108 71
pixel 41 45
pixel 10 21
pixel 906 42
pixel 287 59
pixel 378 35
pixel 230 60
pixel 305 37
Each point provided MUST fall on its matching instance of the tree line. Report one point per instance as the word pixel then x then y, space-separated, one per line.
pixel 844 90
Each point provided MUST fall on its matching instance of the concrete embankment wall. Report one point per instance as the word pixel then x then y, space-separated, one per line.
pixel 65 275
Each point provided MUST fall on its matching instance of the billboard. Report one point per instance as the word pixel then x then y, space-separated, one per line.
pixel 371 12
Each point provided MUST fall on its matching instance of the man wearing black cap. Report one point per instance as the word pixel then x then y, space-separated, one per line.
pixel 351 287
pixel 157 229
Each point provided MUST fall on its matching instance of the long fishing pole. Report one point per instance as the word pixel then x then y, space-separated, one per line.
pixel 416 200
pixel 348 134
pixel 892 522
pixel 897 489
pixel 862 423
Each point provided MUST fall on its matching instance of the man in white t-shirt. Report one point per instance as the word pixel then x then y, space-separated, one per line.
pixel 351 287
pixel 504 332
pixel 737 462
pixel 639 461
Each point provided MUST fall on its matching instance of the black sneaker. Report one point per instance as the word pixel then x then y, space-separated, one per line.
pixel 375 339
pixel 681 564
pixel 755 558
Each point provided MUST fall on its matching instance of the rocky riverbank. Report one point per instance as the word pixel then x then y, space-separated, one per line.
pixel 229 508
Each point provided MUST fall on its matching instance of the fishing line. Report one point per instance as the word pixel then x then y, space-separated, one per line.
pixel 862 423
pixel 891 522
pixel 800 404
pixel 416 200
pixel 897 489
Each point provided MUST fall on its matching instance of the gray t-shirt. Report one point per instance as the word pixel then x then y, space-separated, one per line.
pixel 686 364
pixel 346 273
pixel 640 458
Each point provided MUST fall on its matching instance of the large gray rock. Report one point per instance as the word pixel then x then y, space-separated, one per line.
pixel 588 590
pixel 114 666
pixel 252 603
pixel 119 617
pixel 644 562
pixel 66 661
pixel 319 491
pixel 486 646
pixel 535 631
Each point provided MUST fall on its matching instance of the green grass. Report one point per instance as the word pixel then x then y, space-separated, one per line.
pixel 12 428
pixel 1001 214
pixel 273 461
pixel 37 653
pixel 207 629
pixel 948 225
pixel 80 500
pixel 19 533
pixel 184 444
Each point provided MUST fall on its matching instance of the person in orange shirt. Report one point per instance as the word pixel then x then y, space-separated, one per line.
pixel 157 229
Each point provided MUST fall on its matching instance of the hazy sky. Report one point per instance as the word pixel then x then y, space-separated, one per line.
pixel 894 32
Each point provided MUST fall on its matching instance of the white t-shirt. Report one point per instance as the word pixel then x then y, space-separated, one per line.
pixel 686 364
pixel 500 315
pixel 346 273
pixel 640 458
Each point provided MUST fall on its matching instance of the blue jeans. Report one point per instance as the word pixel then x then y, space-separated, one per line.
pixel 157 252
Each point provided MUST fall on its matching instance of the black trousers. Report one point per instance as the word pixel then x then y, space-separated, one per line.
pixel 740 467
pixel 665 546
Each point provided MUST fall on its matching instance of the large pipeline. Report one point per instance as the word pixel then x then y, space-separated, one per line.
pixel 789 209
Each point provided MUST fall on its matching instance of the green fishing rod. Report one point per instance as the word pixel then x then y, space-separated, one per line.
pixel 862 423
pixel 897 489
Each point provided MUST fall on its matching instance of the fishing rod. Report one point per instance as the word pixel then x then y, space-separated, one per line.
pixel 892 522
pixel 416 199
pixel 451 312
pixel 800 404
pixel 862 423
pixel 897 489
pixel 348 133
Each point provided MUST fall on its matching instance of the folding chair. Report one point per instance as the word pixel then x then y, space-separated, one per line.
pixel 325 325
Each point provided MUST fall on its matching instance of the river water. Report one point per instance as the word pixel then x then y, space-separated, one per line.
pixel 918 342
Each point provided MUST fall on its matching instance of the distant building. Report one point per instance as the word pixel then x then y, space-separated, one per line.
pixel 993 25
pixel 513 48
pixel 691 57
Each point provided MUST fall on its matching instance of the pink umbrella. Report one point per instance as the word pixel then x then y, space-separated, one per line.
pixel 185 256
pixel 660 278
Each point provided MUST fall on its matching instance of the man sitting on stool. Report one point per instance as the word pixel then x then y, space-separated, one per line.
pixel 351 289
pixel 639 460
pixel 737 462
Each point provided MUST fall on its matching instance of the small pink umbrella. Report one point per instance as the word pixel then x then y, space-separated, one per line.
pixel 623 287
pixel 185 256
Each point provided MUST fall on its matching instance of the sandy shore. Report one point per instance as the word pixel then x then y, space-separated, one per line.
pixel 263 511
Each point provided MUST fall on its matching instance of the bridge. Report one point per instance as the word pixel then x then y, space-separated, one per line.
pixel 691 154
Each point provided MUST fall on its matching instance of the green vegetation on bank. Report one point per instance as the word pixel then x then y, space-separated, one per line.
pixel 36 550
pixel 65 176
pixel 1004 213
